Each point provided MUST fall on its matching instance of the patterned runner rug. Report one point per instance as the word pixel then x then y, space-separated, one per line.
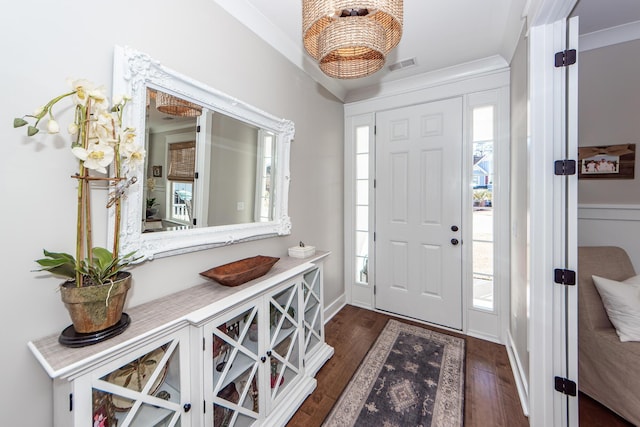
pixel 411 377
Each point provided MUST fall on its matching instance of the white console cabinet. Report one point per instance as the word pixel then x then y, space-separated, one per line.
pixel 207 356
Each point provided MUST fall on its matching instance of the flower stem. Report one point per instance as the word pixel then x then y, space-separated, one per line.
pixel 83 232
pixel 47 108
pixel 79 230
pixel 81 201
pixel 87 184
pixel 118 207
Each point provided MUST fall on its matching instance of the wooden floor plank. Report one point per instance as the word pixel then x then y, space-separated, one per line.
pixel 593 414
pixel 491 397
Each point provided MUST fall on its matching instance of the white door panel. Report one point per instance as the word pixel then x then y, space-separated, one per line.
pixel 418 200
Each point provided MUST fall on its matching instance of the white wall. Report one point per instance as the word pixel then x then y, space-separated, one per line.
pixel 611 225
pixel 45 42
pixel 518 316
pixel 609 107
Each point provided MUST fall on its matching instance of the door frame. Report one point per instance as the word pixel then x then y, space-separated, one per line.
pixel 547 97
pixel 434 88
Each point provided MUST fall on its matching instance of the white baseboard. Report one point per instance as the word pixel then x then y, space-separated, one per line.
pixel 483 336
pixel 334 307
pixel 522 384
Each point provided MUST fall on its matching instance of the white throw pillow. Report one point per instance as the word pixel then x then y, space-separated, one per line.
pixel 621 300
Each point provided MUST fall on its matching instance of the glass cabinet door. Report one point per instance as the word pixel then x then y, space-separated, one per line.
pixel 284 340
pixel 234 368
pixel 313 325
pixel 147 391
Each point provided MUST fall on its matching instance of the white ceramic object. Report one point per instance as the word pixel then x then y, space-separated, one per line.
pixel 302 251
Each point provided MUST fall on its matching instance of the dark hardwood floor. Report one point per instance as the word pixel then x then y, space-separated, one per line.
pixel 491 398
pixel 593 414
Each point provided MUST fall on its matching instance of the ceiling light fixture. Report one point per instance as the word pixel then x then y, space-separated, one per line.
pixel 174 106
pixel 351 38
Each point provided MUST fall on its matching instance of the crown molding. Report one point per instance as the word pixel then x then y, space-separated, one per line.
pixel 434 78
pixel 610 36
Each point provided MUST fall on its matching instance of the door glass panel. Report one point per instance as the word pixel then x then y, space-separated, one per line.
pixel 312 316
pixel 362 192
pixel 362 205
pixel 235 369
pixel 362 166
pixel 362 218
pixel 284 344
pixel 181 206
pixel 143 392
pixel 483 167
pixel 141 418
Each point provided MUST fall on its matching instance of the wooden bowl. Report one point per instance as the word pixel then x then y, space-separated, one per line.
pixel 242 271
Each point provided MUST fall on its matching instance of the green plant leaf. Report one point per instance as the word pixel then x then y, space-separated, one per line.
pixel 32 130
pixel 58 255
pixel 102 258
pixel 59 264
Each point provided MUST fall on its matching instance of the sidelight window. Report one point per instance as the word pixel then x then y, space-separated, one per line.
pixel 362 205
pixel 483 235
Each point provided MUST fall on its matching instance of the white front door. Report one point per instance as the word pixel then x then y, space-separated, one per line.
pixel 419 212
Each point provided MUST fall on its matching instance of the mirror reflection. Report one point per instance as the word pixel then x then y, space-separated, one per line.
pixel 204 168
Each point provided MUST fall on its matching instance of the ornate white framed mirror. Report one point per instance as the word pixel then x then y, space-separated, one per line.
pixel 216 170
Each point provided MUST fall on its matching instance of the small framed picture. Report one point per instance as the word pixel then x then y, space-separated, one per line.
pixel 607 162
pixel 157 171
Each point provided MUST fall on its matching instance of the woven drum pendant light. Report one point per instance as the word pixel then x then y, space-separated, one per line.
pixel 174 106
pixel 350 39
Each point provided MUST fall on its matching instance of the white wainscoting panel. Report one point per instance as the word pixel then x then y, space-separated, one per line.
pixel 611 225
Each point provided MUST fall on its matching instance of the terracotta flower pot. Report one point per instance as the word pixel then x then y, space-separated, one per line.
pixel 95 308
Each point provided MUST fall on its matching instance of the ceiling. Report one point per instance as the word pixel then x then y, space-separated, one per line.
pixel 459 36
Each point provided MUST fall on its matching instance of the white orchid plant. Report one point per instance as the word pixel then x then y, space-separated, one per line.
pixel 99 140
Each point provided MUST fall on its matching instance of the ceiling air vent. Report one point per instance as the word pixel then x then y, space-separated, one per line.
pixel 403 64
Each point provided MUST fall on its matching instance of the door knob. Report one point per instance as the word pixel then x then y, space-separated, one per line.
pixel 454 228
pixel 454 242
pixel 187 407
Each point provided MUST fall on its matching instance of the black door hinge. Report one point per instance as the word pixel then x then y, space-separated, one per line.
pixel 566 386
pixel 70 402
pixel 198 128
pixel 196 175
pixel 564 277
pixel 566 58
pixel 194 221
pixel 565 167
